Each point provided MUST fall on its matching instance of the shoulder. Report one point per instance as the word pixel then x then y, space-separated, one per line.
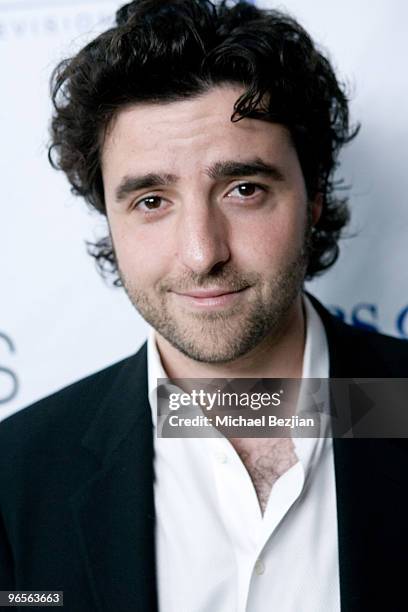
pixel 356 352
pixel 65 415
pixel 390 352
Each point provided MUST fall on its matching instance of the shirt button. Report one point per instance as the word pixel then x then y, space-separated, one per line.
pixel 259 567
pixel 222 458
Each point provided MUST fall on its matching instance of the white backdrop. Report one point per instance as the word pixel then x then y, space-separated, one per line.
pixel 58 321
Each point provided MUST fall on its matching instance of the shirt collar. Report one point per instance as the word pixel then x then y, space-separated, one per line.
pixel 315 365
pixel 316 354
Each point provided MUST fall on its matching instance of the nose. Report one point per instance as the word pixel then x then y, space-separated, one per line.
pixel 203 241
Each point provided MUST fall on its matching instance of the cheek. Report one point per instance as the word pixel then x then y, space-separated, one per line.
pixel 270 239
pixel 143 254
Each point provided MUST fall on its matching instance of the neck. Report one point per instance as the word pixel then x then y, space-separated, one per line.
pixel 280 356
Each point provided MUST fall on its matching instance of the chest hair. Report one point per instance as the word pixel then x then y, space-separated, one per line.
pixel 266 460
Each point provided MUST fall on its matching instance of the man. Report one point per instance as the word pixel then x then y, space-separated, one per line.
pixel 208 136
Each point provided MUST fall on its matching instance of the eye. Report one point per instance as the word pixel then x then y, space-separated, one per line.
pixel 149 203
pixel 245 190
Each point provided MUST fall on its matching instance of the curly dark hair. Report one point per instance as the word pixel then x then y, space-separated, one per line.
pixel 163 50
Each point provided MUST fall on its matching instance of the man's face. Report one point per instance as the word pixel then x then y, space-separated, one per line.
pixel 209 221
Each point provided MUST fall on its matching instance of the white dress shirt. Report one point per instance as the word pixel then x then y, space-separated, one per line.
pixel 215 550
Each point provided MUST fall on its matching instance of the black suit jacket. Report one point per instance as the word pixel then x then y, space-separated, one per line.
pixel 76 490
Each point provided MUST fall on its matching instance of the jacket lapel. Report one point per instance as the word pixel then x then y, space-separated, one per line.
pixel 370 486
pixel 114 512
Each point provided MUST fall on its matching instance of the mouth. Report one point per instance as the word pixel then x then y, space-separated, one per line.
pixel 217 297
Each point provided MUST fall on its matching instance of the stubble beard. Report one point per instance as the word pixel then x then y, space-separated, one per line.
pixel 223 336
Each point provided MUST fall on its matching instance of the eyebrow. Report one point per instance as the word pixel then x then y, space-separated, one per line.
pixel 130 184
pixel 219 170
pixel 234 169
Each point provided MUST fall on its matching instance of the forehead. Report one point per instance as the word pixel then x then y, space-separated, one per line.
pixel 190 133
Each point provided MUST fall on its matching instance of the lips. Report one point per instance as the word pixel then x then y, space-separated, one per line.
pixel 213 298
pixel 208 293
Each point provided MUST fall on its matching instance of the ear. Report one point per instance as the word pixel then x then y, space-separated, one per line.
pixel 317 207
